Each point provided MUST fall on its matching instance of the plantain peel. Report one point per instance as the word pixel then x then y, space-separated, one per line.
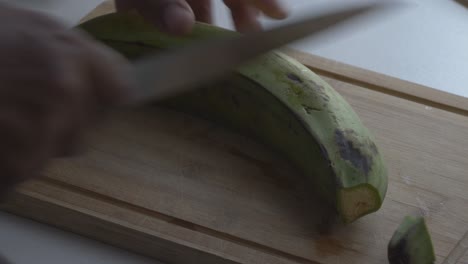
pixel 282 104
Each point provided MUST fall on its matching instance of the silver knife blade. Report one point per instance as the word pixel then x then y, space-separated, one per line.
pixel 183 69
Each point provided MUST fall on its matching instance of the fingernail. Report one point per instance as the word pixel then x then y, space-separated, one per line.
pixel 178 19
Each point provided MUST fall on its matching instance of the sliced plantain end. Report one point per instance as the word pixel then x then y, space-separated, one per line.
pixel 411 243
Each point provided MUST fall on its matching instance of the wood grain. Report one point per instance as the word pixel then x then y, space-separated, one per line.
pixel 184 190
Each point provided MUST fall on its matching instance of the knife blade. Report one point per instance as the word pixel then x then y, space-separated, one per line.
pixel 180 70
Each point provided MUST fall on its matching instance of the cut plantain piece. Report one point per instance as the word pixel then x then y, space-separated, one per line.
pixel 411 243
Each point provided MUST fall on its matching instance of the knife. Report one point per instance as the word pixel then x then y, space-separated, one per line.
pixel 180 70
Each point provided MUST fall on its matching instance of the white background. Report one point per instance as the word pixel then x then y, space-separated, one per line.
pixel 426 43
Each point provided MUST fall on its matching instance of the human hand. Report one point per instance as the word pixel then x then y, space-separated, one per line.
pixel 53 82
pixel 178 16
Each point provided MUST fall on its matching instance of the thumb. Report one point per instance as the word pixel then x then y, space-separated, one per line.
pixel 171 16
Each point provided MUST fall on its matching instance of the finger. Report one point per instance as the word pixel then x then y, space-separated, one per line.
pixel 171 16
pixel 124 5
pixel 110 76
pixel 47 109
pixel 70 118
pixel 244 16
pixel 108 71
pixel 271 8
pixel 92 77
pixel 202 10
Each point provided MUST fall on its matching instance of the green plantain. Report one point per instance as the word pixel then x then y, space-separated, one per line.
pixel 281 103
pixel 411 243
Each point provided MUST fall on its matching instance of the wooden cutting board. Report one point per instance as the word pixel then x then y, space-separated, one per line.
pixel 183 190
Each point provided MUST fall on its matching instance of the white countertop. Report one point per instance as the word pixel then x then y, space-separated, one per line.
pixel 426 43
pixel 23 241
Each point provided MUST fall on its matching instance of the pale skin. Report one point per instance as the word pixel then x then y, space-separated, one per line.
pixel 54 81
